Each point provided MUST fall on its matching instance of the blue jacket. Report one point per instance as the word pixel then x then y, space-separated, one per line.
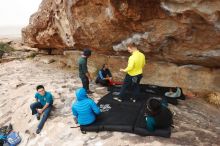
pixel 104 73
pixel 84 109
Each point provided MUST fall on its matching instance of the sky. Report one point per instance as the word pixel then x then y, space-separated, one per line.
pixel 17 12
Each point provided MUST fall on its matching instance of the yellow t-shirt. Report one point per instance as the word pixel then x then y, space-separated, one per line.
pixel 136 63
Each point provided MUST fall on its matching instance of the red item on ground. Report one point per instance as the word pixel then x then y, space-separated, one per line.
pixel 115 83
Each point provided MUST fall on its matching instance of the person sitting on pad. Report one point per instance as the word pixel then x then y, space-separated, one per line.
pixel 84 109
pixel 158 116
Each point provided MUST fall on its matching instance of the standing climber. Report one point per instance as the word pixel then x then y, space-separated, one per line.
pixel 83 70
pixel 133 72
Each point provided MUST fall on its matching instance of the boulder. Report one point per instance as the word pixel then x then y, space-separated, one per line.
pixel 177 31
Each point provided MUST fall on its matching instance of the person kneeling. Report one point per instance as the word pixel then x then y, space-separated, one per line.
pixel 104 76
pixel 84 109
pixel 43 105
pixel 158 116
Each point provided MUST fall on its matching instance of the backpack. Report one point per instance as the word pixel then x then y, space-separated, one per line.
pixel 4 131
pixel 3 137
pixel 13 138
pixel 1 141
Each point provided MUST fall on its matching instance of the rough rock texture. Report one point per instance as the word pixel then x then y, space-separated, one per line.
pixel 191 77
pixel 177 31
pixel 15 50
pixel 196 122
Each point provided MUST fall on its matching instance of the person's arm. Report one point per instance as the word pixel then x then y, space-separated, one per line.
pixel 88 75
pixel 74 112
pixel 109 73
pixel 75 115
pixel 49 100
pixel 150 123
pixel 100 75
pixel 40 111
pixel 95 108
pixel 130 65
pixel 85 69
pixel 36 97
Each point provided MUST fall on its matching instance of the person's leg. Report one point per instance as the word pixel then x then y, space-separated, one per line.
pixel 97 80
pixel 136 87
pixel 45 116
pixel 104 82
pixel 126 84
pixel 35 106
pixel 85 82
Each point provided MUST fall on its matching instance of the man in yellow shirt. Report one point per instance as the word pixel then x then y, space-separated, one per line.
pixel 134 72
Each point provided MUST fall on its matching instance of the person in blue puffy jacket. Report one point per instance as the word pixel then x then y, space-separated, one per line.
pixel 84 109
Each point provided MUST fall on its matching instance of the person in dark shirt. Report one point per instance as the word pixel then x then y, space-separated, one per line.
pixel 83 69
pixel 104 76
pixel 158 116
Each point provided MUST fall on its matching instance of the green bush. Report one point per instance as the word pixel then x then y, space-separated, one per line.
pixel 5 47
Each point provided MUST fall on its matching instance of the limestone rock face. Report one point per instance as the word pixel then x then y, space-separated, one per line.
pixel 176 31
pixel 191 77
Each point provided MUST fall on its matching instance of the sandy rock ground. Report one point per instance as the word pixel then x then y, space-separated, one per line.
pixel 196 122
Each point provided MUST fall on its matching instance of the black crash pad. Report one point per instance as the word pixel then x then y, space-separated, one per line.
pixel 145 90
pixel 160 90
pixel 119 118
pixel 123 117
pixel 140 127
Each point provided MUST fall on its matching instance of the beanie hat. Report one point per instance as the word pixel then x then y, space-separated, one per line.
pixel 87 52
pixel 153 105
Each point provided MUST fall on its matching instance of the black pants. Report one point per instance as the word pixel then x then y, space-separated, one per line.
pixel 85 82
pixel 102 82
pixel 131 82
